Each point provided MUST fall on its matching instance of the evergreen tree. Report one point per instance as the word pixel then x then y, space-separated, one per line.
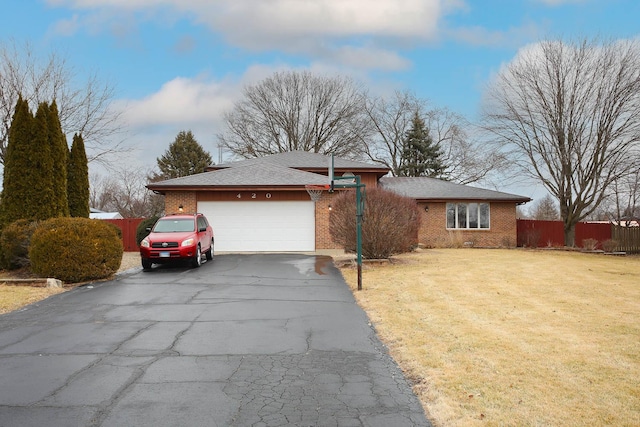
pixel 420 155
pixel 78 179
pixel 39 201
pixel 59 154
pixel 183 157
pixel 17 163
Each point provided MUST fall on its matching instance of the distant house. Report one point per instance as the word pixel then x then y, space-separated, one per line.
pixel 261 204
pixel 98 214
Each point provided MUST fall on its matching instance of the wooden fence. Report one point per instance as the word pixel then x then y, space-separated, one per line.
pixel 128 227
pixel 534 233
pixel 628 238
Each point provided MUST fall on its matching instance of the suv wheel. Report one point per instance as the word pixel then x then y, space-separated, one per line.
pixel 146 264
pixel 210 252
pixel 197 260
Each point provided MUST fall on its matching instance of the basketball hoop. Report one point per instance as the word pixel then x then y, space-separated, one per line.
pixel 315 191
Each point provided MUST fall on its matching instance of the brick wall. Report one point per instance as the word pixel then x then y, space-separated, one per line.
pixel 433 231
pixel 173 200
pixel 502 232
pixel 323 237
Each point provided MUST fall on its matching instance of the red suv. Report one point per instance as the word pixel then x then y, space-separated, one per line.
pixel 177 237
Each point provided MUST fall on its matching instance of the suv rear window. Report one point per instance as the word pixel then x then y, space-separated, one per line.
pixel 174 225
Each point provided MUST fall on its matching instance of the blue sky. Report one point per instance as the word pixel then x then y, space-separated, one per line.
pixel 179 64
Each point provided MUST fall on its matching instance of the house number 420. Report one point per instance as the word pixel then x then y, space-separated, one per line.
pixel 254 195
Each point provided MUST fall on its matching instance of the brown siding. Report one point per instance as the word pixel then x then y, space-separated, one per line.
pixel 368 179
pixel 503 232
pixel 251 196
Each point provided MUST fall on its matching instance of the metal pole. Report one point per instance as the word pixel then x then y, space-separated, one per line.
pixel 359 213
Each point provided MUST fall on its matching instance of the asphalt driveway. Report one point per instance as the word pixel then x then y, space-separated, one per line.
pixel 244 340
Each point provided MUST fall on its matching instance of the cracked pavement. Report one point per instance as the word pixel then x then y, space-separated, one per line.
pixel 244 340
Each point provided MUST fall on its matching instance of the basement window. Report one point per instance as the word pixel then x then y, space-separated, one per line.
pixel 468 216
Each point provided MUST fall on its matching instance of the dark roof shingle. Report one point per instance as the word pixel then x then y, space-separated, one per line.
pixel 423 188
pixel 303 160
pixel 254 174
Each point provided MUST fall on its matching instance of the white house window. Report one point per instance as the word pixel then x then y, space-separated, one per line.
pixel 468 215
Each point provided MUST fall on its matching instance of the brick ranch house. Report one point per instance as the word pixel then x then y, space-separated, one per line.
pixel 261 205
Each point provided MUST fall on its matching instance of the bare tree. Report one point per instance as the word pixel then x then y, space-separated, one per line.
pixel 101 189
pixel 125 192
pixel 568 114
pixel 624 208
pixel 296 111
pixel 84 106
pixel 465 160
pixel 545 209
pixel 391 119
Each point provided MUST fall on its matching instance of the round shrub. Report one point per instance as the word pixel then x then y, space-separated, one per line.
pixel 390 226
pixel 75 249
pixel 141 230
pixel 14 244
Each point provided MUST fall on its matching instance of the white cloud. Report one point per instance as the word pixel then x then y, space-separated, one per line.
pixel 252 21
pixel 195 104
pixel 481 36
pixel 180 101
pixel 331 29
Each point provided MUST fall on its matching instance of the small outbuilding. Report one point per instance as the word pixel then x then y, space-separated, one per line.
pixel 98 214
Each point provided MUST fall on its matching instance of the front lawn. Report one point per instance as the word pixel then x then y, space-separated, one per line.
pixel 512 337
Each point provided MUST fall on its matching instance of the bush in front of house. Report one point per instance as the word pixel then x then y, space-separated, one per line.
pixel 14 244
pixel 390 225
pixel 141 230
pixel 75 249
pixel 609 245
pixel 589 244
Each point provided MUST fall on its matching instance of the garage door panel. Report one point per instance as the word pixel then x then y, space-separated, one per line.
pixel 262 226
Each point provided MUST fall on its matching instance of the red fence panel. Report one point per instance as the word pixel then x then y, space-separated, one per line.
pixel 128 227
pixel 534 233
pixel 590 230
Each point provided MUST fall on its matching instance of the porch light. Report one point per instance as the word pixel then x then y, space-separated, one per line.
pixel 426 208
pixel 180 208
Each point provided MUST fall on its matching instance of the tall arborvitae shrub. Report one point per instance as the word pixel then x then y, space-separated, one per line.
pixel 28 166
pixel 39 201
pixel 78 179
pixel 59 155
pixel 17 159
pixel 35 169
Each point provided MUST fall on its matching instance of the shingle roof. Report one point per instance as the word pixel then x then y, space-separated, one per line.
pixel 422 188
pixel 251 174
pixel 303 160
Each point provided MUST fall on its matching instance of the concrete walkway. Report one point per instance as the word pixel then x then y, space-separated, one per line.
pixel 244 340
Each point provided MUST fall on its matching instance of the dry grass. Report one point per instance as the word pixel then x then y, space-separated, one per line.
pixel 512 337
pixel 15 297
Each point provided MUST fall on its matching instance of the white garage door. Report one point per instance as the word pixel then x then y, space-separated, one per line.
pixel 261 226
